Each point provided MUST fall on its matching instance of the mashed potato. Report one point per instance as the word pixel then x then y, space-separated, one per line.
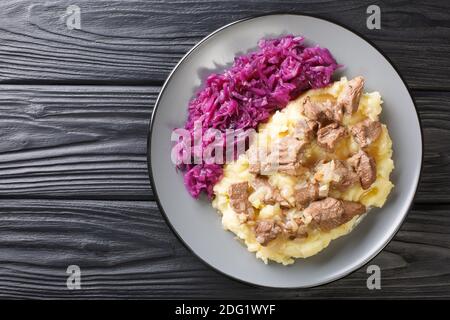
pixel 282 123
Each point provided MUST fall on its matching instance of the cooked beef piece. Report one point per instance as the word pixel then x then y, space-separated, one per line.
pixel 305 130
pixel 284 156
pixel 365 167
pixel 346 175
pixel 288 149
pixel 238 193
pixel 254 168
pixel 271 195
pixel 322 112
pixel 253 159
pixel 290 168
pixel 266 231
pixel 330 213
pixel 329 136
pixel 326 213
pixel 295 228
pixel 302 231
pixel 273 166
pixel 306 193
pixel 366 132
pixel 350 95
pixel 352 209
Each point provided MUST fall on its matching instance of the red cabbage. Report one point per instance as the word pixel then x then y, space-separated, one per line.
pixel 258 84
pixel 202 177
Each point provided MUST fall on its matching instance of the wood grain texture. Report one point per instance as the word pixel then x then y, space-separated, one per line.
pixel 89 142
pixel 73 155
pixel 139 42
pixel 434 110
pixel 75 141
pixel 126 250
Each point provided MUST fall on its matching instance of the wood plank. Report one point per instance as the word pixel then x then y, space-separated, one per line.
pixel 125 250
pixel 434 110
pixel 82 142
pixel 139 42
pixel 89 142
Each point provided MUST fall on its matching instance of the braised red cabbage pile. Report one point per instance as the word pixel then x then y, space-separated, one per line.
pixel 258 84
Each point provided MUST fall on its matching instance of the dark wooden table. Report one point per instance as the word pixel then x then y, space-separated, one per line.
pixel 74 110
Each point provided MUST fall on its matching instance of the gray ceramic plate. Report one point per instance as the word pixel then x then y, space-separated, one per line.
pixel 198 225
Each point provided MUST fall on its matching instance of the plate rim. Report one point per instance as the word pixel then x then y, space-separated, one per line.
pixel 150 134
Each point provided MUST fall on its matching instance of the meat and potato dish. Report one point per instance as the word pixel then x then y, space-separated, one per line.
pixel 311 173
pixel 317 160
